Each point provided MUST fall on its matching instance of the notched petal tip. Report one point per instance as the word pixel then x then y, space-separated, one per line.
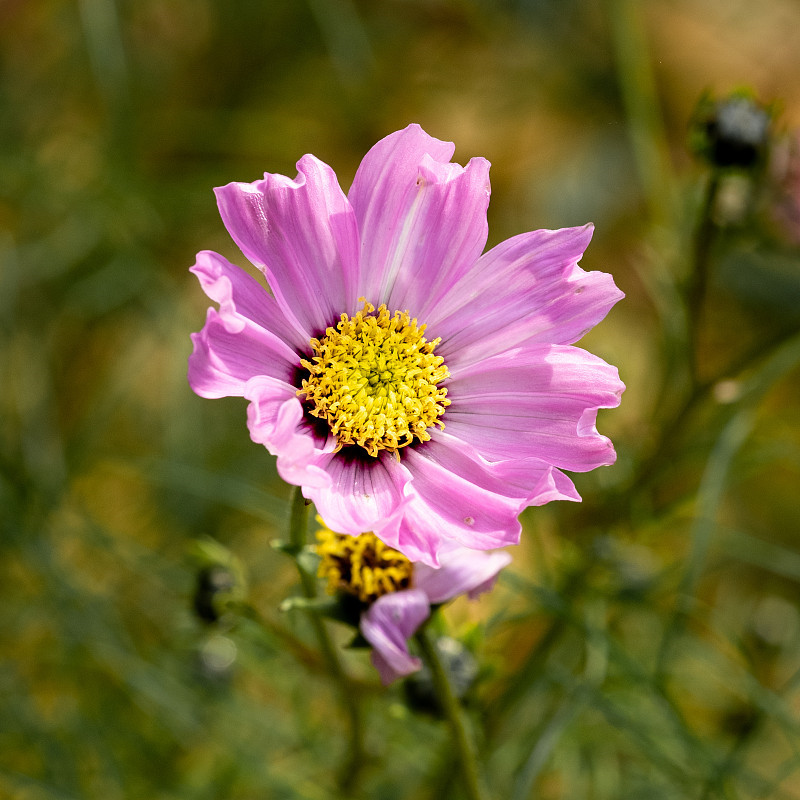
pixel 415 138
pixel 209 372
pixel 274 418
pixel 303 235
pixel 219 288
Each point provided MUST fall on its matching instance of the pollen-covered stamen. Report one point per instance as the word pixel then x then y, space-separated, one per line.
pixel 375 379
pixel 361 565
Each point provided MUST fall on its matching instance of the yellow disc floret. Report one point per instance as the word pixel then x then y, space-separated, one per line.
pixel 361 565
pixel 375 379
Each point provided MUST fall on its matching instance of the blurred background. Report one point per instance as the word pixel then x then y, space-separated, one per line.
pixel 645 644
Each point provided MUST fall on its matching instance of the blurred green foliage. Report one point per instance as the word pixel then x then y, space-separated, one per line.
pixel 645 644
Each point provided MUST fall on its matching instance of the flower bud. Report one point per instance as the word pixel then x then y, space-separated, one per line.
pixel 215 585
pixel 731 133
pixel 220 585
pixel 461 668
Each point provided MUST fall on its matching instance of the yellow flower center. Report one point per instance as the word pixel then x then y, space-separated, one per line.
pixel 375 379
pixel 361 565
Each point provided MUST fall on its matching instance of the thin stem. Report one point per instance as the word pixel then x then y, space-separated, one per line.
pixel 348 775
pixel 465 748
pixel 698 279
pixel 298 514
pixel 641 102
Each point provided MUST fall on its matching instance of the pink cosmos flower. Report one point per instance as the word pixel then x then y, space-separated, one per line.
pixel 395 595
pixel 411 384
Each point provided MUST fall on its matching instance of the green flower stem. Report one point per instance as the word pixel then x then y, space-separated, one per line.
pixel 698 279
pixel 349 697
pixel 465 748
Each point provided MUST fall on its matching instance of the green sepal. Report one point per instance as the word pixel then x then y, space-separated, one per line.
pixel 319 605
pixel 358 642
pixel 282 546
pixel 328 607
pixel 308 561
pixel 306 557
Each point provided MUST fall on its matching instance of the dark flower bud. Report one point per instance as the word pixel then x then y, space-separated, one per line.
pixel 215 585
pixel 221 584
pixel 461 668
pixel 733 132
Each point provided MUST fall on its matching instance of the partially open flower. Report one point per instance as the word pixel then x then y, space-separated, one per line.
pixel 395 595
pixel 410 385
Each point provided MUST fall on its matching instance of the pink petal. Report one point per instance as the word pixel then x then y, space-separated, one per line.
pixel 536 402
pixel 303 234
pixel 462 571
pixel 459 498
pixel 365 494
pixel 420 544
pixel 527 289
pixel 241 299
pixel 388 624
pixel 422 219
pixel 222 362
pixel 545 482
pixel 275 419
